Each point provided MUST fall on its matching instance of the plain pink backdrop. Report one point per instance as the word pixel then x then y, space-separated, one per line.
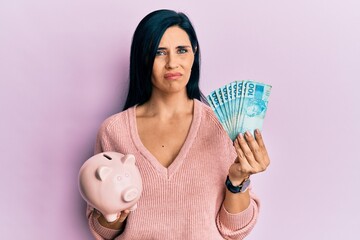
pixel 63 70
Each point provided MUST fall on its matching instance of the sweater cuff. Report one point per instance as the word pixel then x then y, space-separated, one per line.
pixel 104 232
pixel 238 220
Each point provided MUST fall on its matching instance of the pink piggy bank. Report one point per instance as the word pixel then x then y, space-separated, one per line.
pixel 111 183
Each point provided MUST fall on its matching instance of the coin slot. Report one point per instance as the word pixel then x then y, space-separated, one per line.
pixel 107 156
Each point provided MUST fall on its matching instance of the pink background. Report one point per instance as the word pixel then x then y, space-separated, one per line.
pixel 63 70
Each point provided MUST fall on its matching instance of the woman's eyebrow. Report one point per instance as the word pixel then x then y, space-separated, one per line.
pixel 181 46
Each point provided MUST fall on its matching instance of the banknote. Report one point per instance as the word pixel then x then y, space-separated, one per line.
pixel 240 106
pixel 215 105
pixel 226 103
pixel 240 93
pixel 225 120
pixel 229 89
pixel 229 93
pixel 255 103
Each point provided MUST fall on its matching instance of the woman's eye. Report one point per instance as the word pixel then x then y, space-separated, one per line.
pixel 160 53
pixel 182 50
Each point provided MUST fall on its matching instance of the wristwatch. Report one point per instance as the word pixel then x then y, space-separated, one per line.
pixel 237 189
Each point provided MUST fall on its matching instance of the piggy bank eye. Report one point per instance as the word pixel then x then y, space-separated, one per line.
pixel 119 178
pixel 127 175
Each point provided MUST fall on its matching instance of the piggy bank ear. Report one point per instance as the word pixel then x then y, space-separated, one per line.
pixel 128 159
pixel 102 172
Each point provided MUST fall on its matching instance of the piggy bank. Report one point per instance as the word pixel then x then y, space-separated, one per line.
pixel 110 182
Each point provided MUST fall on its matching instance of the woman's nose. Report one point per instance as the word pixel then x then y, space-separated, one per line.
pixel 172 61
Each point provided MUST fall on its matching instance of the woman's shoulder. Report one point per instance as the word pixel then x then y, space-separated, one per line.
pixel 207 113
pixel 115 121
pixel 209 120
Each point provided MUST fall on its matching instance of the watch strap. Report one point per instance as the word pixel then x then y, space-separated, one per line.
pixel 237 189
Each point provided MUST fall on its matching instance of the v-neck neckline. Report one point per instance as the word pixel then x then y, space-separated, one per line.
pixel 169 171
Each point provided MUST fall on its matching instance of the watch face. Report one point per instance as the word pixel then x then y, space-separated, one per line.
pixel 245 185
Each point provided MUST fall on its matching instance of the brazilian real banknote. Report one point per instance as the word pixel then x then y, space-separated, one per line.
pixel 240 106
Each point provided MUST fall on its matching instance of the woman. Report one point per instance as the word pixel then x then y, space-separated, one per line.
pixel 183 153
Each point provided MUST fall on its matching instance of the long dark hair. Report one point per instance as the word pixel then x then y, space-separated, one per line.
pixel 144 45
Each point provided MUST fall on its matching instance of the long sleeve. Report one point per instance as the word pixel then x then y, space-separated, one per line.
pixel 98 231
pixel 238 226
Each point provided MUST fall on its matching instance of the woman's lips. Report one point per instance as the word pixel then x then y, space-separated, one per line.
pixel 172 75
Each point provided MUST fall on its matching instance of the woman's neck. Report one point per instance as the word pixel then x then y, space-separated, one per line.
pixel 166 106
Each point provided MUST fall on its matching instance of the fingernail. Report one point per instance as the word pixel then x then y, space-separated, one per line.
pixel 257 131
pixel 240 136
pixel 248 134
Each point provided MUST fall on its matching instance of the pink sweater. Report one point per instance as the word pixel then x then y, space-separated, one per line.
pixel 185 200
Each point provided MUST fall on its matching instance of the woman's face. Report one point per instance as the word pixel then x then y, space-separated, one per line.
pixel 173 62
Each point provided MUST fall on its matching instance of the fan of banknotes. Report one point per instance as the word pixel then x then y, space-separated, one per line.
pixel 240 106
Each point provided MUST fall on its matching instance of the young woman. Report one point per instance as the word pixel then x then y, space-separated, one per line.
pixel 194 177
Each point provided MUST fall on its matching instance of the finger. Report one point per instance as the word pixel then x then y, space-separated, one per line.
pixel 247 153
pixel 96 213
pixel 242 160
pixel 259 138
pixel 260 141
pixel 254 147
pixel 123 215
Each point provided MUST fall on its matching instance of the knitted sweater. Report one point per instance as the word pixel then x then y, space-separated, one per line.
pixel 184 200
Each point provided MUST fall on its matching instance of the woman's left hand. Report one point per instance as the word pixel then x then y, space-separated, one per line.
pixel 252 157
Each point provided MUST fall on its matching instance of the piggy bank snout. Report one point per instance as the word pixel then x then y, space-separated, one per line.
pixel 130 194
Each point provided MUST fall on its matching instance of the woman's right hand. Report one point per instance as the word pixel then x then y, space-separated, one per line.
pixel 118 224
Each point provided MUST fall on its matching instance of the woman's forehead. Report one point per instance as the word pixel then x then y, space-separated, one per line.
pixel 174 37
